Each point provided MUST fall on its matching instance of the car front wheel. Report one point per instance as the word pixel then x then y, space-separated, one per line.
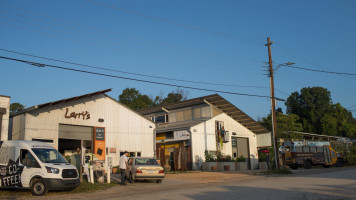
pixel 38 188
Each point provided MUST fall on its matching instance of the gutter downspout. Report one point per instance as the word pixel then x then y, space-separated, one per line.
pixel 191 147
pixel 205 138
pixel 154 144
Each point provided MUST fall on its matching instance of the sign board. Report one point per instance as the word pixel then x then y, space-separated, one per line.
pixel 99 143
pixel 181 135
pixel 234 142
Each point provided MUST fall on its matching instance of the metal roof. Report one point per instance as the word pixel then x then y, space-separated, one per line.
pixel 318 136
pixel 219 102
pixel 60 101
pixel 161 128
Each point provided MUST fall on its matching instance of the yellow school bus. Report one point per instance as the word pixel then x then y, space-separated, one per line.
pixel 308 153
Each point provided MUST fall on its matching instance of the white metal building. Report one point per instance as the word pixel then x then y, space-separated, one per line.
pixel 4 117
pixel 92 121
pixel 188 129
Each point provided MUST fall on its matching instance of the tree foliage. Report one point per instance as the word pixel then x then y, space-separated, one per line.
pixel 310 105
pixel 16 107
pixel 318 114
pixel 135 100
pixel 285 124
pixel 313 111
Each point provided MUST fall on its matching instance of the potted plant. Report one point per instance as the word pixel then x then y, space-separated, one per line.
pixel 262 164
pixel 241 163
pixel 225 162
pixel 210 162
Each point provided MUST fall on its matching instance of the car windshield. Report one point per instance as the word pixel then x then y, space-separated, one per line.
pixel 49 155
pixel 145 161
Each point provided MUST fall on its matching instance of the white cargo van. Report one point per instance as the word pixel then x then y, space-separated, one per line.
pixel 35 165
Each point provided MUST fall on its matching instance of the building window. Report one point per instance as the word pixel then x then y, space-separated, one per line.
pixel 197 113
pixel 169 135
pixel 172 117
pixel 179 116
pixel 205 112
pixel 187 114
pixel 43 140
pixel 160 119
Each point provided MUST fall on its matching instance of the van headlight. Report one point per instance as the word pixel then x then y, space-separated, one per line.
pixel 52 170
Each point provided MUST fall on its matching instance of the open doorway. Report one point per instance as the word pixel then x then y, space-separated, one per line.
pixel 74 141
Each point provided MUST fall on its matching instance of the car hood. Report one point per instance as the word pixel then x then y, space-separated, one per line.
pixel 60 165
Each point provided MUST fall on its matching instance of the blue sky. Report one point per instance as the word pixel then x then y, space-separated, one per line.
pixel 206 41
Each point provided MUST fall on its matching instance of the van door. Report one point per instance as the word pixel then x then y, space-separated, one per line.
pixel 31 167
pixel 327 155
pixel 10 171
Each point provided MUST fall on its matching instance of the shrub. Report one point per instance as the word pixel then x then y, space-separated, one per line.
pixel 241 159
pixel 209 157
pixel 351 160
pixel 261 157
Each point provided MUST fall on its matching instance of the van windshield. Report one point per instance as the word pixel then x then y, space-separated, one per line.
pixel 49 155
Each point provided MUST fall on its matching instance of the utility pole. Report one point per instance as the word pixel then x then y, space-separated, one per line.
pixel 273 103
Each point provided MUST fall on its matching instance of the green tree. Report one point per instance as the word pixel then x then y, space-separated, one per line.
pixel 134 99
pixel 310 105
pixel 285 124
pixel 174 97
pixel 319 115
pixel 339 122
pixel 16 107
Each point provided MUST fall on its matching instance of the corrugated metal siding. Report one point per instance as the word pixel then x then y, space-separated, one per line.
pixel 5 103
pixel 198 141
pixel 264 140
pixel 125 130
pixel 18 127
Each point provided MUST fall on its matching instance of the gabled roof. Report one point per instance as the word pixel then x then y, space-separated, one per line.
pixel 219 102
pixel 60 101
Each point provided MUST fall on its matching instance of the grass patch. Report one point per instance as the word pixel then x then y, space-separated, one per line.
pixel 84 187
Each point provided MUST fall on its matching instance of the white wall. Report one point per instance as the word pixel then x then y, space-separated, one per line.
pixel 125 130
pixel 198 139
pixel 264 140
pixel 5 103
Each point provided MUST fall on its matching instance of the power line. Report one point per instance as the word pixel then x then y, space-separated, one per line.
pixel 131 73
pixel 175 23
pixel 323 71
pixel 352 106
pixel 299 57
pixel 132 79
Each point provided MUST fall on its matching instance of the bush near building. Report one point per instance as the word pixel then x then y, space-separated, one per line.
pixel 350 157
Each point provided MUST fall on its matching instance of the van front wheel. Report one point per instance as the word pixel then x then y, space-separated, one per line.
pixel 38 188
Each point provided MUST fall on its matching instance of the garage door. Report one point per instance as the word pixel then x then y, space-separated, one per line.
pixel 75 132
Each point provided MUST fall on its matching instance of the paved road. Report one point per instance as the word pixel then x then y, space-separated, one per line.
pixel 333 183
